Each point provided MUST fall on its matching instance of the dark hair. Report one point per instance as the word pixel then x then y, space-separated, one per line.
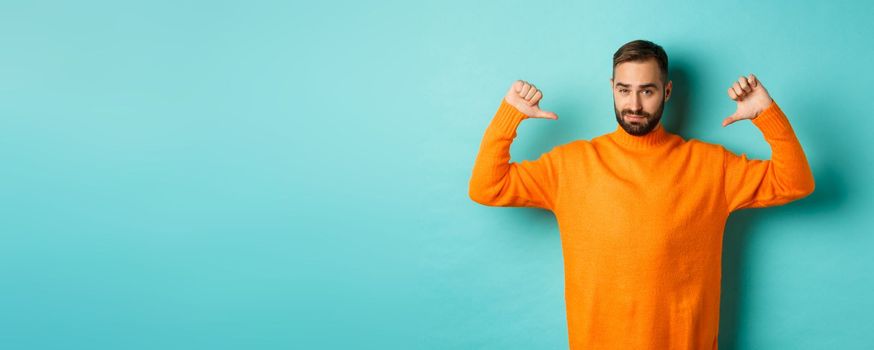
pixel 642 50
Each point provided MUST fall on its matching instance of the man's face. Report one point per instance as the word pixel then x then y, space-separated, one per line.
pixel 639 95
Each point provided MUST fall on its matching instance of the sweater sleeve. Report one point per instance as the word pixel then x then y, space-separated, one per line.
pixel 498 182
pixel 753 183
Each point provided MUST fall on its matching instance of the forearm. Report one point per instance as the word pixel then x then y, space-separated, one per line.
pixel 789 168
pixel 492 163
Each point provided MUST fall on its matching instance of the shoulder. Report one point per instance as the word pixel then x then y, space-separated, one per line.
pixel 705 150
pixel 569 149
pixel 703 146
pixel 600 139
pixel 574 146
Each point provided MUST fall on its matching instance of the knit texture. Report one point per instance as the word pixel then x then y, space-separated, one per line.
pixel 641 220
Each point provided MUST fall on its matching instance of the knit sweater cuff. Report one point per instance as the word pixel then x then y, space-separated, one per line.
pixel 772 121
pixel 507 119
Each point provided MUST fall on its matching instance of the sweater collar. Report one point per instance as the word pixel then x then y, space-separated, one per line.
pixel 655 137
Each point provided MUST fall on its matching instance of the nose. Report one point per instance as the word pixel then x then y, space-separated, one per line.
pixel 635 102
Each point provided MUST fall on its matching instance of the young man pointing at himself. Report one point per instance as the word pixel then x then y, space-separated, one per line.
pixel 641 211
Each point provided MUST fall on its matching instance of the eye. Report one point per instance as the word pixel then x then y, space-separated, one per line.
pixel 623 91
pixel 647 92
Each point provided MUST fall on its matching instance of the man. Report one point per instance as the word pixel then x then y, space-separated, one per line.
pixel 641 211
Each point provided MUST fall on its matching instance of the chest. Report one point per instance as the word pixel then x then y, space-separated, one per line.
pixel 684 194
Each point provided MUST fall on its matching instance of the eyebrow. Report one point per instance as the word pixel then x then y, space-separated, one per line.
pixel 642 86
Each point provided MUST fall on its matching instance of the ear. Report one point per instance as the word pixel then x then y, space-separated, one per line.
pixel 668 88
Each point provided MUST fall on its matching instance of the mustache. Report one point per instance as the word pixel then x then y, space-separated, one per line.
pixel 637 112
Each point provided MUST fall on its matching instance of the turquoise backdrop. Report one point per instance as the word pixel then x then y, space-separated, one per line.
pixel 293 175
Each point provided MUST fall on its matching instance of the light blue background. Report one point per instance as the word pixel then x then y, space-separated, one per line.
pixel 277 175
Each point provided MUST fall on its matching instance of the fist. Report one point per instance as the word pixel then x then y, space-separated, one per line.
pixel 526 98
pixel 751 98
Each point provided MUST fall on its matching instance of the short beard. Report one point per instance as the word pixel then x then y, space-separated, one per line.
pixel 639 129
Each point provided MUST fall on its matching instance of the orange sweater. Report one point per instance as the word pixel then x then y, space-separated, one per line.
pixel 641 220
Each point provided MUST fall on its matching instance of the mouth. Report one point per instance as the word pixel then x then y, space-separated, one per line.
pixel 635 116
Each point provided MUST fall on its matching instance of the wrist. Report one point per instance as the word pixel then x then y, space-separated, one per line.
pixel 515 108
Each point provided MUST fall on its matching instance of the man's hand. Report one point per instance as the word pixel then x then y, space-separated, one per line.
pixel 751 97
pixel 526 98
